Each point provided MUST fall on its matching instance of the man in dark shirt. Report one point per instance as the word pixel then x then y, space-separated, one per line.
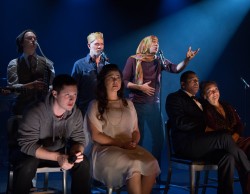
pixel 85 70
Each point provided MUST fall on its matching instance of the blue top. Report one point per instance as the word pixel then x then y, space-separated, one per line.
pixel 85 72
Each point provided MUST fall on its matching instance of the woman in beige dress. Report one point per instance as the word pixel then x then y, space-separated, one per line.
pixel 116 158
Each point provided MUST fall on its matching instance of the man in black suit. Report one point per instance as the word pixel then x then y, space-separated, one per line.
pixel 194 140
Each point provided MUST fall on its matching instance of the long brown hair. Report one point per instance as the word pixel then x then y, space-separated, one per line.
pixel 101 90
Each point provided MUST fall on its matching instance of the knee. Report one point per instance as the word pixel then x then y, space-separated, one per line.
pixel 84 165
pixel 229 160
pixel 227 138
pixel 29 164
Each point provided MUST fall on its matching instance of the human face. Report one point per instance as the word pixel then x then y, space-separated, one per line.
pixel 113 81
pixel 191 85
pixel 154 46
pixel 96 47
pixel 65 100
pixel 212 94
pixel 29 45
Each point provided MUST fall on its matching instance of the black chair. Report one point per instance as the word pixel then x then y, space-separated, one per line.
pixel 194 167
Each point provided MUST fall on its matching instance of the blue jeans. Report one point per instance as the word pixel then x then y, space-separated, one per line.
pixel 150 114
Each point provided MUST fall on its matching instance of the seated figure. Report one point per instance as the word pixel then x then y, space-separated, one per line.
pixel 190 139
pixel 221 116
pixel 116 158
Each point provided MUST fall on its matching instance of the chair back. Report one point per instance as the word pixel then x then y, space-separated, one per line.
pixel 170 149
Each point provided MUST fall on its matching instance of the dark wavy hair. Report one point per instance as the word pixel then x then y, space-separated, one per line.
pixel 101 90
pixel 20 38
pixel 204 85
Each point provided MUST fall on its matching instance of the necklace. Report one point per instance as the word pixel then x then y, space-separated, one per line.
pixel 114 112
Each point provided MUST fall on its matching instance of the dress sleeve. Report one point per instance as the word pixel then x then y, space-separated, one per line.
pixel 133 115
pixel 92 113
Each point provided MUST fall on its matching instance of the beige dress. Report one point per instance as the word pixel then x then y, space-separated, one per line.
pixel 113 165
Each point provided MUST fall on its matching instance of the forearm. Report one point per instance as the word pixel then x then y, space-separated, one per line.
pixel 182 65
pixel 104 139
pixel 136 136
pixel 44 154
pixel 133 86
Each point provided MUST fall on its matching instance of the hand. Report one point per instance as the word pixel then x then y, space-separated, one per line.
pixel 63 162
pixel 235 137
pixel 208 129
pixel 130 145
pixel 38 85
pixel 80 157
pixel 145 88
pixel 191 54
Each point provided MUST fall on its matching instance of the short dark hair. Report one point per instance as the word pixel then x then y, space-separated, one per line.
pixel 185 75
pixel 62 80
pixel 19 40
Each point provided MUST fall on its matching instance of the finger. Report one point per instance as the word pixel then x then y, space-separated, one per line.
pixel 78 153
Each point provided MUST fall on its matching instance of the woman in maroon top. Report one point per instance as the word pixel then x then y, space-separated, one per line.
pixel 222 116
pixel 141 76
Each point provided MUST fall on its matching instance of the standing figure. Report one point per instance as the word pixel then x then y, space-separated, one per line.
pixel 190 139
pixel 116 157
pixel 221 116
pixel 85 70
pixel 30 74
pixel 141 76
pixel 50 132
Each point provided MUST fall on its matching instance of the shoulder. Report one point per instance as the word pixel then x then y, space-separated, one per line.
pixel 13 62
pixel 131 60
pixel 177 94
pixel 92 105
pixel 130 103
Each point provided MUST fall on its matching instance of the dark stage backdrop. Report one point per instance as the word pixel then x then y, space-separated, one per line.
pixel 63 25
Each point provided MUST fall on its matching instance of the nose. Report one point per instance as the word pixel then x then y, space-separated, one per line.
pixel 71 97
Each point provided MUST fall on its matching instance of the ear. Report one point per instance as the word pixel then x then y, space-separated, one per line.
pixel 54 93
pixel 182 85
pixel 88 46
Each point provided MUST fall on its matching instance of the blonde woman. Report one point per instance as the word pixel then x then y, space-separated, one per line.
pixel 141 76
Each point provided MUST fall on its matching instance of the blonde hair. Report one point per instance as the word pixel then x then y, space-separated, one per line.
pixel 145 44
pixel 93 36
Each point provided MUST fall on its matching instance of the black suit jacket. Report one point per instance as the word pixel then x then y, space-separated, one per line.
pixel 187 121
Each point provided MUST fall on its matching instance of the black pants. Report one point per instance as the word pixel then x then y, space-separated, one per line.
pixel 25 170
pixel 219 148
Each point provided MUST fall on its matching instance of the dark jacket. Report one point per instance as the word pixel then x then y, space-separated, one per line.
pixel 186 118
